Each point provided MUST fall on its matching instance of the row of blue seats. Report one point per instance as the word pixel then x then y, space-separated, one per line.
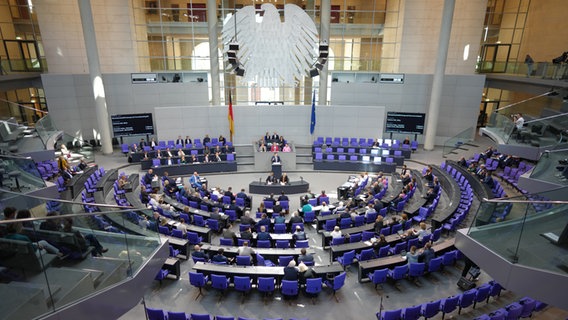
pixel 48 169
pixel 160 314
pixel 362 142
pixel 446 305
pixel 466 199
pixel 524 308
pixel 353 158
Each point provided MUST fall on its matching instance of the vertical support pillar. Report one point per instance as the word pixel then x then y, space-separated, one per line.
pixel 438 81
pixel 213 52
pixel 95 74
pixel 325 21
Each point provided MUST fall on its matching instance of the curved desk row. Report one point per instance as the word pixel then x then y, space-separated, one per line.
pixel 271 254
pixel 77 183
pixel 139 156
pixel 368 266
pixel 452 189
pixel 258 271
pixel 354 166
pixel 189 168
pixel 260 187
pixel 180 206
pixel 417 200
pixel 481 189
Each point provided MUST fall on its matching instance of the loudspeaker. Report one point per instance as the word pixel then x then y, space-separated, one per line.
pixel 465 284
pixel 240 71
pixel 234 46
pixel 314 73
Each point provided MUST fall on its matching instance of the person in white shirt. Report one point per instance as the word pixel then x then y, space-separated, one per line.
pixel 181 226
pixel 336 233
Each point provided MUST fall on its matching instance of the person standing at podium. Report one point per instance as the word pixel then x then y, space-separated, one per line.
pixel 275 158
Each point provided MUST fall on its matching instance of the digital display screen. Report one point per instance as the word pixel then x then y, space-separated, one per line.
pixel 407 123
pixel 132 124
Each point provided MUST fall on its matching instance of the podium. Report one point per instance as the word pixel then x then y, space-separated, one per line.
pixel 277 169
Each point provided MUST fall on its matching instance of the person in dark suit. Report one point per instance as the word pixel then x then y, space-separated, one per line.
pixel 378 205
pixel 206 139
pixel 216 157
pixel 275 137
pixel 220 257
pixel 275 158
pixel 179 140
pixel 199 254
pixel 290 272
pixel 262 234
pixel 149 176
pixel 264 220
pixel 142 143
pixel 222 140
pixel 430 196
pixel 296 218
pixel 187 141
pixel 277 207
pixel 247 219
pixel 229 193
pixel 247 234
pixel 283 197
pixel 271 179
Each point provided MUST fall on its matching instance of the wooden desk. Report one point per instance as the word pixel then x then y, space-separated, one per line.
pixel 340 249
pixel 173 266
pixel 180 244
pixel 368 266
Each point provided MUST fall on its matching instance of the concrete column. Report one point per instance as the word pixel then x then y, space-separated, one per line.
pixel 325 18
pixel 213 52
pixel 95 74
pixel 437 83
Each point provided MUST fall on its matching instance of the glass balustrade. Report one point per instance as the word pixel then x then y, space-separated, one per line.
pixel 552 166
pixel 50 260
pixel 19 174
pixel 458 140
pixel 523 231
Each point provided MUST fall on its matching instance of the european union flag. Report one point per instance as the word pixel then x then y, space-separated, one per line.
pixel 313 123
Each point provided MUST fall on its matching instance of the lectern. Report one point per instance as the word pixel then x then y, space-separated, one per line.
pixel 277 169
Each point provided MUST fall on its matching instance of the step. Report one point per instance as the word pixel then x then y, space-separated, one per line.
pixel 74 284
pixel 105 271
pixel 15 307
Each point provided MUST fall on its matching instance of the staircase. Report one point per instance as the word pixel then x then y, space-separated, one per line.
pixel 304 157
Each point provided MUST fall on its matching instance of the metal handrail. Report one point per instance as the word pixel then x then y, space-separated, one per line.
pixel 523 101
pixel 506 200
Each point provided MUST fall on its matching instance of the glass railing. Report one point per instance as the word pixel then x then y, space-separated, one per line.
pixel 52 260
pixel 552 166
pixel 19 174
pixel 529 231
pixel 544 70
pixel 77 147
pixel 45 129
pixel 458 140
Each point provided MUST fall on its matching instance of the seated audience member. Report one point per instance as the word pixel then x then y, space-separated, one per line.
pixel 153 143
pixel 142 143
pixel 436 186
pixel 84 240
pixel 193 159
pixel 428 176
pixel 275 137
pixel 290 272
pixel 264 221
pixel 377 245
pixel 305 272
pixel 462 162
pixel 262 147
pixel 158 154
pixel 25 214
pixel 299 234
pixel 262 234
pixel 64 168
pixel 430 196
pixel 247 234
pixel 220 257
pixel 247 219
pixel 179 141
pixel 304 257
pixel 409 234
pixel 377 205
pixel 245 250
pixel 217 157
pixel 228 233
pixel 261 207
pixel 51 224
pixel 296 218
pixel 149 177
pixel 267 137
pixel 181 226
pixel 378 224
pixel 283 197
pixel 422 232
pixel 271 179
pixel 123 182
pixel 322 194
pixel 274 147
pixel 134 148
pixel 488 179
pixel 82 165
pixel 406 140
pixel 284 180
pixel 286 148
pixel 206 139
pixel 195 181
pixel 336 233
pixel 222 140
pixel 279 218
pixel 181 154
pixel 14 232
pixel 307 207
pixel 197 253
pixel 277 208
pixel 324 207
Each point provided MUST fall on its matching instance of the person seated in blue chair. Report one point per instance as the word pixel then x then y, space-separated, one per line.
pixel 262 234
pixel 299 235
pixel 264 220
pixel 247 234
pixel 280 218
pixel 245 250
pixel 304 257
pixel 195 181
pixel 220 257
pixel 290 272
